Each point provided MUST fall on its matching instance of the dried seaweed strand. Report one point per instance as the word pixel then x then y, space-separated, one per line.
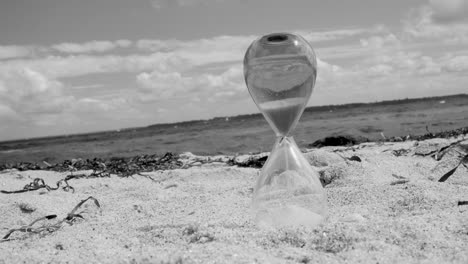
pixel 39 183
pixel 251 162
pixel 399 182
pixel 447 175
pixel 439 153
pixel 69 219
pixel 123 167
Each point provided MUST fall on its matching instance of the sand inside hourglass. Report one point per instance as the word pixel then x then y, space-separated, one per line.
pixel 290 199
pixel 283 113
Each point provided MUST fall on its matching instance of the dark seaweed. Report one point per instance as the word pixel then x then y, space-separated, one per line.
pixel 69 219
pixel 123 167
pixel 252 162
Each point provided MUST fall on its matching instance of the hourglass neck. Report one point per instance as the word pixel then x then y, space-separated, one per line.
pixel 285 139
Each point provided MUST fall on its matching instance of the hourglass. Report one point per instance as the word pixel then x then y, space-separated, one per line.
pixel 280 71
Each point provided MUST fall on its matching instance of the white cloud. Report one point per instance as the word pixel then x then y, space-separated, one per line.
pixel 167 56
pixel 7 114
pixel 202 51
pixel 339 34
pixel 421 25
pixel 159 4
pixel 158 86
pixel 72 66
pixel 205 44
pixel 156 45
pixel 379 70
pixel 378 42
pixel 8 52
pixel 99 106
pixel 29 93
pixel 240 43
pixel 449 10
pixel 456 64
pixel 92 46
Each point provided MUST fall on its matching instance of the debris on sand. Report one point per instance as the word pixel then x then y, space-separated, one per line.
pixel 119 166
pixel 463 161
pixel 429 135
pixel 335 141
pixel 45 228
pixel 254 161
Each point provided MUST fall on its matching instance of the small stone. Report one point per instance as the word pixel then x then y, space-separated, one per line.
pixel 331 173
pixel 26 208
pixel 322 158
pixel 59 247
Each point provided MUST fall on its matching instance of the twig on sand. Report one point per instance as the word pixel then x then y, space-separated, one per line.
pixel 460 203
pixel 399 182
pixel 170 186
pixel 69 219
pixel 463 161
pixel 429 132
pixel 399 177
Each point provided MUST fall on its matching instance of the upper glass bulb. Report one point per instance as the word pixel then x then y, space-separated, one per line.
pixel 280 71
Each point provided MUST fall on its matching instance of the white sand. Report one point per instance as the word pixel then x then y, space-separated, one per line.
pixel 204 217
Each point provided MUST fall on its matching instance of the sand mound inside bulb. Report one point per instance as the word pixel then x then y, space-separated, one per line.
pixel 290 199
pixel 290 215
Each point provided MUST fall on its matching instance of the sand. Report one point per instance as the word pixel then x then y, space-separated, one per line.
pixel 384 209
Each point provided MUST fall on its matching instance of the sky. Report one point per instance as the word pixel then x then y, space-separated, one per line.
pixel 77 66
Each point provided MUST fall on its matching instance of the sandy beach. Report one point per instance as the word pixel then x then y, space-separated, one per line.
pixel 389 207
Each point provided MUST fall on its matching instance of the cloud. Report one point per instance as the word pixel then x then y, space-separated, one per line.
pixel 158 86
pixel 379 70
pixel 378 42
pixel 7 114
pixel 72 66
pixel 445 21
pixel 449 10
pixel 240 43
pixel 339 34
pixel 92 46
pixel 180 57
pixel 204 44
pixel 424 23
pixel 28 92
pixel 456 64
pixel 166 55
pixel 8 52
pixel 99 106
pixel 391 74
pixel 159 4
